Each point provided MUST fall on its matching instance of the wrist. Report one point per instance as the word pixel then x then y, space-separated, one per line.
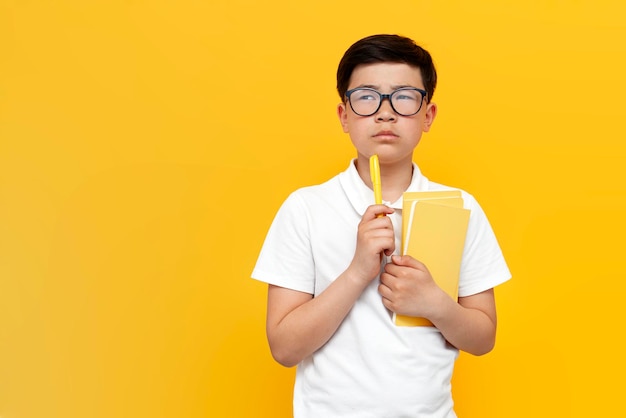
pixel 442 307
pixel 356 277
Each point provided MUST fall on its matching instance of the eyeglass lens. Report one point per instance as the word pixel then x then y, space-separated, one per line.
pixel 366 102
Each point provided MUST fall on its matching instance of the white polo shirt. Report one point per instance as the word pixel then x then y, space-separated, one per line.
pixel 370 367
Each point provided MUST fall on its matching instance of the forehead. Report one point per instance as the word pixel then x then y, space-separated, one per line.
pixel 386 76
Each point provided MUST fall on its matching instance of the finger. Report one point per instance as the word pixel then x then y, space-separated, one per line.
pixel 396 270
pixel 408 261
pixel 383 223
pixel 376 244
pixel 378 230
pixel 385 292
pixel 371 233
pixel 389 246
pixel 372 211
pixel 386 279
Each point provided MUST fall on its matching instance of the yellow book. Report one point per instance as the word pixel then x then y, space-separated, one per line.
pixel 434 230
pixel 442 197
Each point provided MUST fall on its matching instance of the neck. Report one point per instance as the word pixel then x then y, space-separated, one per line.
pixel 395 177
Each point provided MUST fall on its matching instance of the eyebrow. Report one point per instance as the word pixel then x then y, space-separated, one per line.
pixel 395 87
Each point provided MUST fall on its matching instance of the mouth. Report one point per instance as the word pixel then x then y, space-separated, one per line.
pixel 386 135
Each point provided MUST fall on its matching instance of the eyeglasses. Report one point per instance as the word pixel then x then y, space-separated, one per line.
pixel 405 101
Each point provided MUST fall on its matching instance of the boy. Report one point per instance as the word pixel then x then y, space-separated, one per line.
pixel 330 298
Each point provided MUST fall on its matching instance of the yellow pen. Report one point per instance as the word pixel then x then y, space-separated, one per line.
pixel 376 184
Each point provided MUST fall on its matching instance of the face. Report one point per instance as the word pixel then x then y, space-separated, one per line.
pixel 392 136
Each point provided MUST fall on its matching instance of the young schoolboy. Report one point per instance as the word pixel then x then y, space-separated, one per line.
pixel 333 269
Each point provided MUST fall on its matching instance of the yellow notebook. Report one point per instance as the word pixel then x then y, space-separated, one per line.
pixel 446 197
pixel 434 226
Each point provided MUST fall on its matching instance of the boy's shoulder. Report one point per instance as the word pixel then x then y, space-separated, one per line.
pixel 329 189
pixel 468 198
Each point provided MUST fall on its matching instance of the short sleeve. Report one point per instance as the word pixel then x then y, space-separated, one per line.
pixel 483 265
pixel 286 258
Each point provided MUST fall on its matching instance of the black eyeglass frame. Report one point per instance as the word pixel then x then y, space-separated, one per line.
pixel 388 97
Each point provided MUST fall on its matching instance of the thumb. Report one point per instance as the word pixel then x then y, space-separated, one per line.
pixel 408 261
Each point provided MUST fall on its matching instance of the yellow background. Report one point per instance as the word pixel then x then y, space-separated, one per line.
pixel 146 145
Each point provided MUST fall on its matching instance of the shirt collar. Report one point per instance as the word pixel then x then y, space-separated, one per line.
pixel 361 196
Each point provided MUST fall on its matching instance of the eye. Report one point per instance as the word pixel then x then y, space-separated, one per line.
pixel 365 96
pixel 406 95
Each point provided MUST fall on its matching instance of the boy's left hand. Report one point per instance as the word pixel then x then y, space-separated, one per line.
pixel 407 288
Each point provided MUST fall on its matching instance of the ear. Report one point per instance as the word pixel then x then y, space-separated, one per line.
pixel 429 116
pixel 342 112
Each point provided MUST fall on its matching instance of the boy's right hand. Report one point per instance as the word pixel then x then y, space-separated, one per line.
pixel 375 237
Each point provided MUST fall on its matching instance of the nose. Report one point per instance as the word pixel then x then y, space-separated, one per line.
pixel 385 111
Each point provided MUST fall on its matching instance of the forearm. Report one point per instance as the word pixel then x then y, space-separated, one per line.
pixel 298 324
pixel 309 325
pixel 466 325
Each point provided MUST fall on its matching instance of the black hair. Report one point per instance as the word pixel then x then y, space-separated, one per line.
pixel 386 48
